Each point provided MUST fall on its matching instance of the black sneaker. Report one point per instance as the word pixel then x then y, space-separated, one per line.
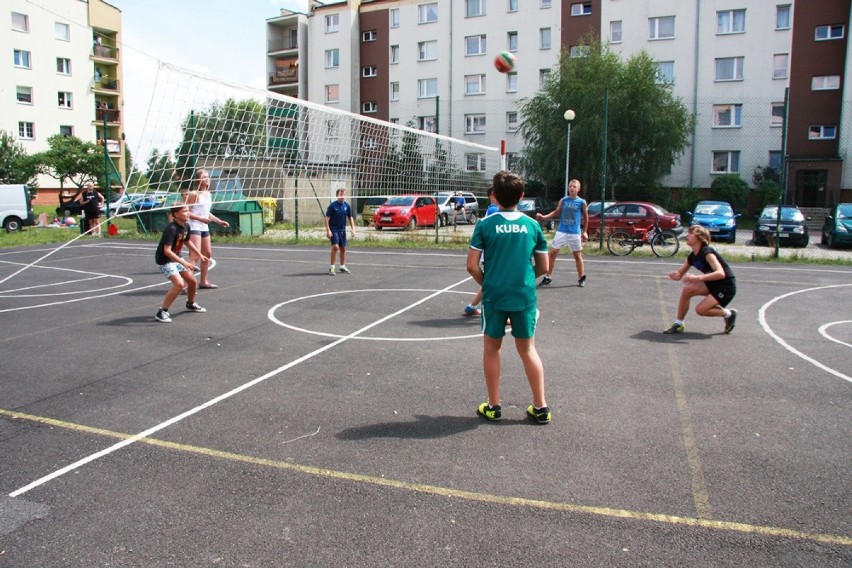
pixel 730 321
pixel 193 307
pixel 492 413
pixel 540 415
pixel 163 316
pixel 546 280
pixel 675 328
pixel 582 281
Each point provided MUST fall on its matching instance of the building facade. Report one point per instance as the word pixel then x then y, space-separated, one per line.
pixel 429 64
pixel 63 76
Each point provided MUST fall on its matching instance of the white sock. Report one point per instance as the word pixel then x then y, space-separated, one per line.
pixel 678 322
pixel 727 312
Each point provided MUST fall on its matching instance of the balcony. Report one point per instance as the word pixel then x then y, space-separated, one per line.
pixel 105 52
pixel 112 116
pixel 285 72
pixel 282 44
pixel 104 83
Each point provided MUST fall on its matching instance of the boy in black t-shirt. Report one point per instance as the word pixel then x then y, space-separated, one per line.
pixel 175 268
pixel 716 283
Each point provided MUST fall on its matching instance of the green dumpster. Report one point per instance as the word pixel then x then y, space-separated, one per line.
pixel 245 216
pixel 155 221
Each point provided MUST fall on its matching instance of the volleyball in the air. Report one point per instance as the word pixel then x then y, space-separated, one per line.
pixel 504 62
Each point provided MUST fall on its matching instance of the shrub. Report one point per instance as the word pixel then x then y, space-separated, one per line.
pixel 731 188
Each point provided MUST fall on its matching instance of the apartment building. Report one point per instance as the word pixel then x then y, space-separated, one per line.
pixel 63 76
pixel 429 63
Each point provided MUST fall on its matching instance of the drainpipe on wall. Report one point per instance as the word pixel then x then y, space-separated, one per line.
pixel 450 59
pixel 695 93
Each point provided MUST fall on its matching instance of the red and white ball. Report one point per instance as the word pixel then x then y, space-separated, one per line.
pixel 504 62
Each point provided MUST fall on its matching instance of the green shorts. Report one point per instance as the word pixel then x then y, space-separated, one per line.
pixel 522 322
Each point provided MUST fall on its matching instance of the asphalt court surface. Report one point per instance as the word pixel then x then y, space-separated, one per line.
pixel 316 420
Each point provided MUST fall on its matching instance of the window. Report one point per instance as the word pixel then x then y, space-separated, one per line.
pixel 512 82
pixel 544 4
pixel 332 23
pixel 474 8
pixel 25 95
pixel 331 129
pixel 726 162
pixel 369 144
pixel 474 162
pixel 427 50
pixel 779 65
pixel 62 31
pixel 427 88
pixel 661 28
pixel 825 82
pixel 394 91
pixel 615 31
pixel 332 58
pixel 513 5
pixel 66 130
pixel 544 38
pixel 512 41
pixel 474 85
pixel 474 124
pixel 26 131
pixel 474 45
pixel 782 17
pixel 730 22
pixel 774 159
pixel 370 71
pixel 332 93
pixel 727 116
pixel 20 22
pixel 824 33
pixel 427 123
pixel 370 107
pixel 63 66
pixel 427 13
pixel 665 72
pixel 579 51
pixel 822 132
pixel 777 110
pixel 64 99
pixel 581 9
pixel 511 121
pixel 394 17
pixel 543 76
pixel 369 35
pixel 394 54
pixel 22 59
pixel 729 68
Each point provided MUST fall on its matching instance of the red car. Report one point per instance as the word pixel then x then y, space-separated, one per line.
pixel 634 215
pixel 407 211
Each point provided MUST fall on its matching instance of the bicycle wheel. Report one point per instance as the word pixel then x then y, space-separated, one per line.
pixel 620 243
pixel 665 244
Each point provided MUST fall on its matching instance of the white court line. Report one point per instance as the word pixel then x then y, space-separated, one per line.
pixel 761 316
pixel 220 398
pixel 823 329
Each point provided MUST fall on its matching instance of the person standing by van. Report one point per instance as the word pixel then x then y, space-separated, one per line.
pixel 91 202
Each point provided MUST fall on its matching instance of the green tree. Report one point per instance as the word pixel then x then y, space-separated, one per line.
pixel 731 188
pixel 649 128
pixel 15 165
pixel 161 170
pixel 73 161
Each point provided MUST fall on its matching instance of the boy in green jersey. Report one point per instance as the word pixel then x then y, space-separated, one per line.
pixel 511 239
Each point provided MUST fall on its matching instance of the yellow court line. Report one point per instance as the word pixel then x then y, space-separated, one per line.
pixel 445 492
pixel 699 487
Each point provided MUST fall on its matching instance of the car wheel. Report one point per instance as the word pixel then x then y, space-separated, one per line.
pixel 827 240
pixel 12 224
pixel 365 223
pixel 733 238
pixel 412 223
pixel 445 219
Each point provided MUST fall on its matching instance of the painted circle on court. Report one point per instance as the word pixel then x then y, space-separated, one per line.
pixel 274 318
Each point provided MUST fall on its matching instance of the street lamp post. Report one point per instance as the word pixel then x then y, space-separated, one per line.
pixel 569 116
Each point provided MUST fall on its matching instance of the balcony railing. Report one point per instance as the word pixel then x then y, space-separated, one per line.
pixel 111 115
pixel 105 51
pixel 283 43
pixel 105 84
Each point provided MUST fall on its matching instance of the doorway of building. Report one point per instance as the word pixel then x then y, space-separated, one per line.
pixel 811 188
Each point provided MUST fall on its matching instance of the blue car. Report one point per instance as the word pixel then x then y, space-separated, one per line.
pixel 717 217
pixel 837 229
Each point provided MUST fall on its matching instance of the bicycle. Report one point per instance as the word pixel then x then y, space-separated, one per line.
pixel 663 243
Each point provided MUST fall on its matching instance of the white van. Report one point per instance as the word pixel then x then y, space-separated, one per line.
pixel 16 207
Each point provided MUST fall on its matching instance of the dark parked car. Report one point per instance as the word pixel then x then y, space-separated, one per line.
pixel 837 229
pixel 717 217
pixel 634 216
pixel 532 205
pixel 793 230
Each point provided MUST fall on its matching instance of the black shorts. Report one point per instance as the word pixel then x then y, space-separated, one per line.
pixel 723 293
pixel 459 207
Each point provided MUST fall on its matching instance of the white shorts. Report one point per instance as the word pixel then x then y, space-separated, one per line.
pixel 574 242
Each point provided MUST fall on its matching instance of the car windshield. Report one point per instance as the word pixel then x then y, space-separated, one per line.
pixel 400 201
pixel 787 214
pixel 526 205
pixel 714 209
pixel 844 211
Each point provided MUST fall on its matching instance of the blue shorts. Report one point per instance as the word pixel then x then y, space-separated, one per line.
pixel 204 234
pixel 338 238
pixel 169 269
pixel 523 323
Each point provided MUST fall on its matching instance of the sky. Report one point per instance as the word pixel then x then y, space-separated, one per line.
pixel 224 38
